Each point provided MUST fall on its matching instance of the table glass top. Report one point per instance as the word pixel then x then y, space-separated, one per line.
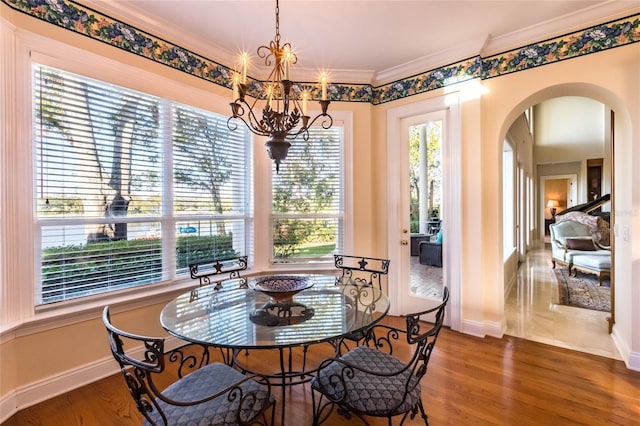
pixel 247 318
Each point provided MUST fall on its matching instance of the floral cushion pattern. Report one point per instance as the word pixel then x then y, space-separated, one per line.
pixel 219 411
pixel 369 393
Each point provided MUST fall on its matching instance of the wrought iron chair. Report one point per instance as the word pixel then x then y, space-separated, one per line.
pixel 205 393
pixel 361 271
pixel 217 271
pixel 359 275
pixel 371 381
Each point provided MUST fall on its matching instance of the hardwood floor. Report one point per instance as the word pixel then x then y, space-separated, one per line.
pixel 471 381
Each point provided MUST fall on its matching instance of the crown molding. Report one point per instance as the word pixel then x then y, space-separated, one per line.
pixel 486 46
pixel 578 20
pixel 164 29
pixel 430 62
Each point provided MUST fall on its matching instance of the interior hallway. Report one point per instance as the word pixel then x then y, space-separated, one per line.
pixel 532 312
pixel 531 307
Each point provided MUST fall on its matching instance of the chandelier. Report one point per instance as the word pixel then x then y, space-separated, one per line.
pixel 284 114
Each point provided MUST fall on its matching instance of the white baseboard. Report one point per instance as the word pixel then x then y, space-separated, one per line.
pixel 8 406
pixel 634 361
pixel 55 385
pixel 483 329
pixel 474 328
pixel 631 359
pixel 36 392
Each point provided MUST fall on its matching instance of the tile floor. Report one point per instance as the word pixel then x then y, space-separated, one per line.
pixel 532 312
pixel 531 308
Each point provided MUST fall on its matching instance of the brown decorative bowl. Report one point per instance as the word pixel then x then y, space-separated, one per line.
pixel 281 287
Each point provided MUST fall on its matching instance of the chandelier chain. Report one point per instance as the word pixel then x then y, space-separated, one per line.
pixel 277 22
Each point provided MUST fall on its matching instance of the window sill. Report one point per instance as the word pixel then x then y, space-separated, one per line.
pixel 74 311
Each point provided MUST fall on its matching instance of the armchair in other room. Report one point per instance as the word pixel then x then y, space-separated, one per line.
pixel 570 239
pixel 431 251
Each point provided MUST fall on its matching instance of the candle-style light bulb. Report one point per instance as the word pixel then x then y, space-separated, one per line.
pixel 235 87
pixel 323 81
pixel 269 95
pixel 245 62
pixel 287 61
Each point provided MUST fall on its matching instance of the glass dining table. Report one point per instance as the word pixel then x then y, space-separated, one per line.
pixel 237 320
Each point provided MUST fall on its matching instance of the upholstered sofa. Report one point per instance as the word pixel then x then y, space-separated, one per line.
pixel 570 239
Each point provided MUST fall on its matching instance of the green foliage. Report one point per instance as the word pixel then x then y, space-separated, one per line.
pixel 288 234
pixel 74 271
pixel 60 205
pixel 432 161
pixel 194 249
pixel 316 250
pixel 304 186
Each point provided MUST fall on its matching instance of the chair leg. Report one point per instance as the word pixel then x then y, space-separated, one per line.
pixel 422 413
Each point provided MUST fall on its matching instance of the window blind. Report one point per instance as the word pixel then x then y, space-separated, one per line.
pixel 103 173
pixel 210 197
pixel 307 198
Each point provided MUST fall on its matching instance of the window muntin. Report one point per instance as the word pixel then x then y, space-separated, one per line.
pixel 112 202
pixel 308 199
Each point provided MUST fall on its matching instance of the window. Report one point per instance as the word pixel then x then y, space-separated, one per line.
pixel 130 188
pixel 508 198
pixel 308 198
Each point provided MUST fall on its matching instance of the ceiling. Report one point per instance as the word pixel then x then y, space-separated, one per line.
pixel 361 41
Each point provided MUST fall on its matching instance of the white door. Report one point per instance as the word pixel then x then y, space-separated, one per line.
pixel 421 200
pixel 399 121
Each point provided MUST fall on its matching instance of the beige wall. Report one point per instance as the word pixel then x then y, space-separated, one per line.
pixel 610 77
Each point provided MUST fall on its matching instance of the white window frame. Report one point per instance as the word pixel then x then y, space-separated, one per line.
pixel 17 233
pixel 19 267
pixel 263 170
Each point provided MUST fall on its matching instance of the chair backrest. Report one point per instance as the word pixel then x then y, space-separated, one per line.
pixel 219 270
pixel 569 228
pixel 139 379
pixel 154 348
pixel 424 340
pixel 415 334
pixel 139 373
pixel 361 271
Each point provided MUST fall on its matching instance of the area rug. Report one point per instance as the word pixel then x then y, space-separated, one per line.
pixel 583 291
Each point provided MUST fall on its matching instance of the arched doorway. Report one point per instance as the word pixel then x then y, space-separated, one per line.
pixel 619 120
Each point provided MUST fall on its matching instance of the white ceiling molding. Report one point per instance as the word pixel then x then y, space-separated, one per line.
pixel 576 21
pixel 486 45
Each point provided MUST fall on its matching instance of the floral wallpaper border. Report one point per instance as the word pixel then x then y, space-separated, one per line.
pixel 91 23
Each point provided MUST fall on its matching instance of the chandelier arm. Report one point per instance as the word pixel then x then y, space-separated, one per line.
pixel 327 121
pixel 247 120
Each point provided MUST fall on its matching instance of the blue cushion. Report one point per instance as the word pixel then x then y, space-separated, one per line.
pixel 439 237
pixel 204 382
pixel 369 393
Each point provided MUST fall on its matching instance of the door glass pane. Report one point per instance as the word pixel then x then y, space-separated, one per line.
pixel 425 183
